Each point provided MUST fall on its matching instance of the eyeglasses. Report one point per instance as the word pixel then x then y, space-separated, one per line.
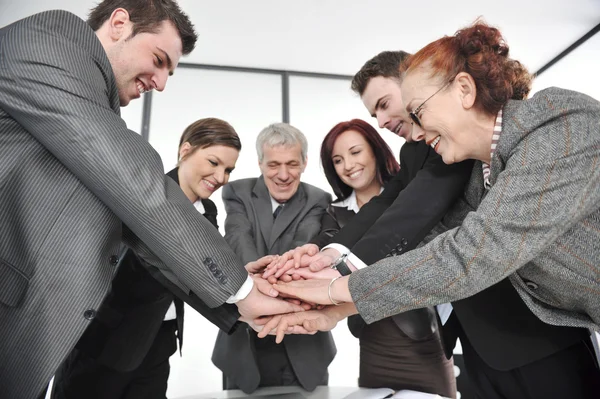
pixel 413 115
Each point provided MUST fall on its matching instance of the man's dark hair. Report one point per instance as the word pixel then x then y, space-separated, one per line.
pixel 386 64
pixel 147 16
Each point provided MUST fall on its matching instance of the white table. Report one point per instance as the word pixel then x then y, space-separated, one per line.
pixel 321 392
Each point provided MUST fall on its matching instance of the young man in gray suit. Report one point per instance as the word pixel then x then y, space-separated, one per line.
pixel 76 183
pixel 270 215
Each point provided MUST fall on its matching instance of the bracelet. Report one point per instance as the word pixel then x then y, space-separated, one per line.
pixel 329 291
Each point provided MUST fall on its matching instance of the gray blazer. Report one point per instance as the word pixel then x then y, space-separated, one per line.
pixel 75 183
pixel 539 224
pixel 250 228
pixel 252 233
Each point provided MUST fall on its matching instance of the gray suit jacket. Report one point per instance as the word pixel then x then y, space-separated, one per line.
pixel 75 183
pixel 252 233
pixel 539 224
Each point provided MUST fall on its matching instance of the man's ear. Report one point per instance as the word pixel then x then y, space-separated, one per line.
pixel 119 24
pixel 467 88
pixel 305 163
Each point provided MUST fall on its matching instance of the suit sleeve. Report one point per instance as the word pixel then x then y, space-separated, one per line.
pixel 311 223
pixel 59 91
pixel 238 229
pixel 352 232
pixel 225 316
pixel 549 184
pixel 416 209
pixel 329 228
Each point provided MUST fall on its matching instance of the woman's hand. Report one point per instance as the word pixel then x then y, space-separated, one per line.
pixel 305 322
pixel 304 273
pixel 316 291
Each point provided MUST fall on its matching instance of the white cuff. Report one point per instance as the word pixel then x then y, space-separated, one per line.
pixel 242 292
pixel 356 262
pixel 338 247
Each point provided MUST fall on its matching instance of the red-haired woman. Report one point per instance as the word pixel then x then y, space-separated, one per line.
pixel 357 163
pixel 530 218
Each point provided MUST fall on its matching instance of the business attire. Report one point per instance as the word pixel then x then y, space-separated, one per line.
pixel 405 351
pixel 252 231
pixel 125 351
pixel 397 220
pixel 526 238
pixel 76 183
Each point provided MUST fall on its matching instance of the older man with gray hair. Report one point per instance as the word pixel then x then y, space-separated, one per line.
pixel 269 215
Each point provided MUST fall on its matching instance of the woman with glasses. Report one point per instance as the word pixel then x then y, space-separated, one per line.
pixel 357 163
pixel 530 214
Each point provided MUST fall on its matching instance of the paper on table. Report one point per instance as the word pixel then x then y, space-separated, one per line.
pixel 408 394
pixel 373 393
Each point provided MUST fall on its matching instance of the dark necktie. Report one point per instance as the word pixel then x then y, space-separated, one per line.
pixel 279 208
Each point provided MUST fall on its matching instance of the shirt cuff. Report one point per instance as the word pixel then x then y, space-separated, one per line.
pixel 444 310
pixel 338 247
pixel 242 292
pixel 354 260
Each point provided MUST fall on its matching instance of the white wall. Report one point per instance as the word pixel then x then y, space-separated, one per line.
pixel 249 102
pixel 321 36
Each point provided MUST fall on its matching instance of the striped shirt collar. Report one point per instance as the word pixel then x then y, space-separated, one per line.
pixel 495 138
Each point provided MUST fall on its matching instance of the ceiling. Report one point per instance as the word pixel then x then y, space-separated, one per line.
pixel 334 36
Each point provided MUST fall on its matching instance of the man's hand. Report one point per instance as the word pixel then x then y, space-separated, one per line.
pixel 291 259
pixel 259 265
pixel 309 322
pixel 261 301
pixel 316 291
pixel 323 259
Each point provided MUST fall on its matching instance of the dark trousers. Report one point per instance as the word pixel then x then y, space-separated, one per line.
pixel 570 374
pixel 274 366
pixel 81 376
pixel 391 359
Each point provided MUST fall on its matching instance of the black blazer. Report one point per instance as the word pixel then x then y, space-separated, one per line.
pixel 130 316
pixel 417 198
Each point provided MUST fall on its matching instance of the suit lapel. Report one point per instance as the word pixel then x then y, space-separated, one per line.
pixel 287 215
pixel 264 210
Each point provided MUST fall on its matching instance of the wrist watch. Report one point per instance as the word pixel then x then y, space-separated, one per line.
pixel 340 265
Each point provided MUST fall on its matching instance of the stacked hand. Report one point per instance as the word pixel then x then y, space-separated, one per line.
pixel 262 301
pixel 306 256
pixel 302 277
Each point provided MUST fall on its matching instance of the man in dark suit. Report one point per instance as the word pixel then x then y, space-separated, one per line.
pixel 76 183
pixel 501 337
pixel 269 215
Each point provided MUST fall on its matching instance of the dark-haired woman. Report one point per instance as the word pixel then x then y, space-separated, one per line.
pixel 357 164
pixel 124 353
pixel 530 218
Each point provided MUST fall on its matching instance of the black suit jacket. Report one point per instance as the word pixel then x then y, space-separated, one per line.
pixel 411 203
pixel 132 313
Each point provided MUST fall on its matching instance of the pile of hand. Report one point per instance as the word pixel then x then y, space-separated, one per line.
pixel 303 288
